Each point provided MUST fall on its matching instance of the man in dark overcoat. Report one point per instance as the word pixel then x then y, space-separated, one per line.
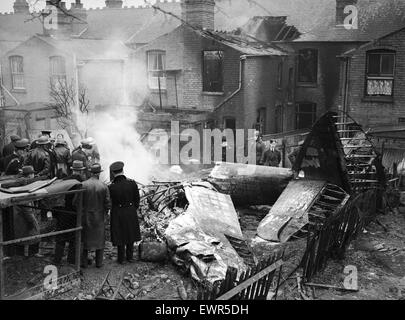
pixel 96 204
pixel 125 199
pixel 63 158
pixel 272 157
pixel 39 158
pixel 66 219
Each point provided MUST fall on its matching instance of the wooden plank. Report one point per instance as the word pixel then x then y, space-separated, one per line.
pixel 40 236
pixel 252 280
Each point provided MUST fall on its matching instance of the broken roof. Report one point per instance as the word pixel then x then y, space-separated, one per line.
pixel 242 45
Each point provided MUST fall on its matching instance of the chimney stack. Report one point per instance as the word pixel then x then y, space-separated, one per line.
pixel 340 7
pixel 199 13
pixel 21 6
pixel 114 4
pixel 79 24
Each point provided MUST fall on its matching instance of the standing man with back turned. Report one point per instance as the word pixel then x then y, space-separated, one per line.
pixel 124 217
pixel 96 204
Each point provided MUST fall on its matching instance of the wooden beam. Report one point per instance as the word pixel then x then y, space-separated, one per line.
pixel 251 280
pixel 40 236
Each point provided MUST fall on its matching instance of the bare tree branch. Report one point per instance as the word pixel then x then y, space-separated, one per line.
pixel 63 102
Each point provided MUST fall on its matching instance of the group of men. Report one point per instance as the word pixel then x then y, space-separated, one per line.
pixel 266 156
pixel 49 157
pixel 120 199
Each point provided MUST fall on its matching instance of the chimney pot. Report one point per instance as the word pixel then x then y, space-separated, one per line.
pixel 21 6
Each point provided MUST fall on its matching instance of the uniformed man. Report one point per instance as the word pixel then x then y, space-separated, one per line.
pixel 9 148
pixel 15 161
pixel 293 155
pixel 258 148
pixel 89 147
pixel 39 158
pixel 124 218
pixel 67 220
pixel 78 154
pixel 272 157
pixel 96 205
pixel 63 158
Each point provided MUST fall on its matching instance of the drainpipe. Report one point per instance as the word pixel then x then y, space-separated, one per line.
pixel 242 58
pixel 346 85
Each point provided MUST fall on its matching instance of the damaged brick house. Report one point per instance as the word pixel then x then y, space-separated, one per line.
pixel 372 91
pixel 223 77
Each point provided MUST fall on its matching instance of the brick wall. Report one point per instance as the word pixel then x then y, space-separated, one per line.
pixel 371 114
pixel 326 92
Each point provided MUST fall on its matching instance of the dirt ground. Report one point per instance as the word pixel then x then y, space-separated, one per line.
pixel 378 254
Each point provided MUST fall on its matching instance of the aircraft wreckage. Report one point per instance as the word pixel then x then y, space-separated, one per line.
pixel 335 187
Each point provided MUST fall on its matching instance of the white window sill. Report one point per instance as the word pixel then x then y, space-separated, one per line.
pixel 212 93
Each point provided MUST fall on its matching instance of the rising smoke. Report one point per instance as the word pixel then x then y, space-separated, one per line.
pixel 120 89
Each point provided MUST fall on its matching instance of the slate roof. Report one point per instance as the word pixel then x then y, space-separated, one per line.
pixel 91 49
pixel 86 49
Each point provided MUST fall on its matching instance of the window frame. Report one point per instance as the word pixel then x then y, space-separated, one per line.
pixel 298 74
pixel 298 113
pixel 280 70
pixel 221 80
pixel 15 74
pixel 57 75
pixel 380 76
pixel 154 85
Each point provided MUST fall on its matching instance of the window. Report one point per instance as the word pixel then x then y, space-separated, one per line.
pixel 230 123
pixel 280 75
pixel 57 66
pixel 212 71
pixel 305 115
pixel 17 72
pixel 308 66
pixel 380 73
pixel 157 70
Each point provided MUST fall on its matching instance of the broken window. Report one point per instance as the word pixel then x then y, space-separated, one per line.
pixel 212 71
pixel 58 70
pixel 305 115
pixel 157 70
pixel 308 66
pixel 17 72
pixel 380 73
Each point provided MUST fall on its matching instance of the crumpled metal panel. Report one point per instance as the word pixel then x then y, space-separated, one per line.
pixel 198 235
pixel 289 214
